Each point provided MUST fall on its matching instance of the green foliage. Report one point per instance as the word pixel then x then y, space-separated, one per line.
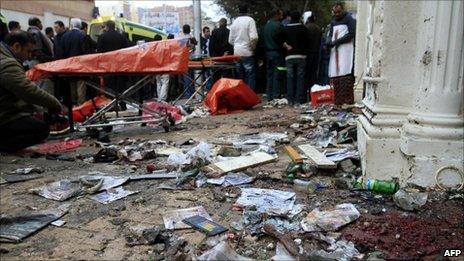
pixel 260 9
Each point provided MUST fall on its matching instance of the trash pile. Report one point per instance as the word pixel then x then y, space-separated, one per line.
pixel 301 213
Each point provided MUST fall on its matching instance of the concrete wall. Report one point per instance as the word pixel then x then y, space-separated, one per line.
pixel 47 11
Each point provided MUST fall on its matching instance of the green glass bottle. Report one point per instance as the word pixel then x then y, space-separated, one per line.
pixel 382 186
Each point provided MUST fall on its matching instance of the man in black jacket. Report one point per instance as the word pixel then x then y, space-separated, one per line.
pixel 312 59
pixel 294 38
pixel 219 40
pixel 112 40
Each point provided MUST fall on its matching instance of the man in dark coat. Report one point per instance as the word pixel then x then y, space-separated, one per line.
pixel 111 40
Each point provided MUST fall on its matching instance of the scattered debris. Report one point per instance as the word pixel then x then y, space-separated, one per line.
pixel 410 200
pixel 294 155
pixel 316 157
pixel 231 179
pixel 285 239
pixel 241 163
pixel 112 194
pixel 173 219
pixel 58 223
pixel 210 228
pixel 270 201
pixel 330 220
pixel 54 146
pixel 16 228
pixel 25 171
pixel 222 251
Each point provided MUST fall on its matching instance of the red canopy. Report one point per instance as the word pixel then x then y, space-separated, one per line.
pixel 228 95
pixel 169 56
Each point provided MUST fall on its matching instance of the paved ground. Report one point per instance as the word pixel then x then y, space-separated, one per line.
pixel 96 231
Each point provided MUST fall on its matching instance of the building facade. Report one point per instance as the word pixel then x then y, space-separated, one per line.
pixel 47 11
pixel 412 57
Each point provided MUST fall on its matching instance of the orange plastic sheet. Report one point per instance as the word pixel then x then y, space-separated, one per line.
pixel 89 107
pixel 229 95
pixel 167 57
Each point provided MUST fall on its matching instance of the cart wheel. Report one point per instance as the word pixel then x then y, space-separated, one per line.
pixel 108 128
pixel 94 133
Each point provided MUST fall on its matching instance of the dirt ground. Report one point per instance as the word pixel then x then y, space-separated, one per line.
pixel 96 231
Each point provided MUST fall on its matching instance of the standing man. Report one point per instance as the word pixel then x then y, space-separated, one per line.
pixel 205 40
pixel 50 34
pixel 274 57
pixel 162 80
pixel 60 30
pixel 188 76
pixel 244 37
pixel 108 41
pixel 88 45
pixel 204 44
pixel 72 42
pixel 14 26
pixel 314 47
pixel 341 42
pixel 219 41
pixel 18 96
pixel 43 50
pixel 294 38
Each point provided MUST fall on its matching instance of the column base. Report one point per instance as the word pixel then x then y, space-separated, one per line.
pixel 429 143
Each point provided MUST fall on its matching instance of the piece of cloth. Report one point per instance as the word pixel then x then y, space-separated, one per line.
pixel 110 41
pixel 296 91
pixel 247 70
pixel 273 60
pixel 341 39
pixel 243 36
pixel 219 42
pixel 21 133
pixel 17 93
pixel 43 48
pixel 162 86
pixel 71 43
pixel 295 35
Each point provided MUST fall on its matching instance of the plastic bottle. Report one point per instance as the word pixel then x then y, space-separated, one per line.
pixel 303 186
pixel 382 186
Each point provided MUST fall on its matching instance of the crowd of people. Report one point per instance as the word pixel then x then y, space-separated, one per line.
pixel 296 52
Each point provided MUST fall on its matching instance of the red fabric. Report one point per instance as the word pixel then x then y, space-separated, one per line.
pixel 55 146
pixel 228 95
pixel 162 108
pixel 88 108
pixel 169 56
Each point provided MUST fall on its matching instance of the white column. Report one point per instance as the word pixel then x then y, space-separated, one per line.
pixel 433 136
pixel 360 48
pixel 390 81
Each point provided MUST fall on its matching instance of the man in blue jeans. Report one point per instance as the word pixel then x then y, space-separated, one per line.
pixel 274 56
pixel 294 38
pixel 244 37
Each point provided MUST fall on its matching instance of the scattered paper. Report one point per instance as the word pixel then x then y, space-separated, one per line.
pixel 58 190
pixel 111 195
pixel 330 220
pixel 16 228
pixel 173 218
pixel 231 179
pixel 273 202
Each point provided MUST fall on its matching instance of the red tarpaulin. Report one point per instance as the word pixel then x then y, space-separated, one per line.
pixel 169 56
pixel 228 95
pixel 89 107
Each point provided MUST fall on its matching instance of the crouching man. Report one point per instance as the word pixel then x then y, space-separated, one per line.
pixel 19 96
